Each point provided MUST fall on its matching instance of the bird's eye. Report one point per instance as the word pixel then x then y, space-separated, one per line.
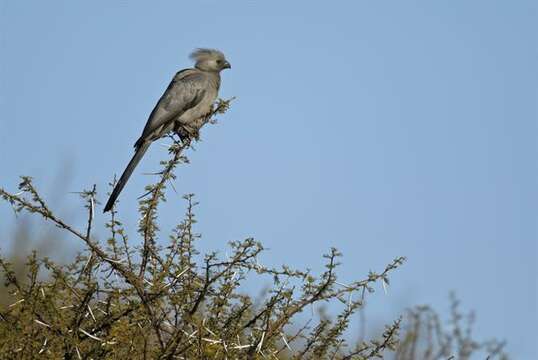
pixel 219 62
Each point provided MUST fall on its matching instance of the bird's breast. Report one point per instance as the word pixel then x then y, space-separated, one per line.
pixel 193 115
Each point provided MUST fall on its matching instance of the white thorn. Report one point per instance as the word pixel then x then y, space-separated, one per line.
pixel 89 335
pixel 42 323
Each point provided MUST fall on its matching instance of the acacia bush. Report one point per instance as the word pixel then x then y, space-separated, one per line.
pixel 166 301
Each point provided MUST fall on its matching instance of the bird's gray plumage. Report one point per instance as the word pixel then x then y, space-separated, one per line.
pixel 182 107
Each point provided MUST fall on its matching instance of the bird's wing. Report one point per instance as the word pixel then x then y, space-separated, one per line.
pixel 185 91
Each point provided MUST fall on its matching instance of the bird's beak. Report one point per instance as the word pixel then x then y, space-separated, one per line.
pixel 227 65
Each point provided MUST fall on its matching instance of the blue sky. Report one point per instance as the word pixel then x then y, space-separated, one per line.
pixel 380 128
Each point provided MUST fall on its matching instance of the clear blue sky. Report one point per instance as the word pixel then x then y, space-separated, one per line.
pixel 380 128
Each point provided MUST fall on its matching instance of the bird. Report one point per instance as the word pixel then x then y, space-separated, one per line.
pixel 181 109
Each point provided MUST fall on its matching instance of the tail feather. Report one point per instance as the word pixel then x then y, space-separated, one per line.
pixel 140 151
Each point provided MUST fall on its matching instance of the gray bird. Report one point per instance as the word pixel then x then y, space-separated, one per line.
pixel 182 107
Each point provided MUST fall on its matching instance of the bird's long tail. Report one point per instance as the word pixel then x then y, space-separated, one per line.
pixel 140 151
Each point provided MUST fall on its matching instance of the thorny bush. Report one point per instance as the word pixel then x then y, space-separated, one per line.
pixel 116 301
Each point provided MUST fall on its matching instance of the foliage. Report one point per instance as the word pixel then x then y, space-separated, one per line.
pixel 116 301
pixel 426 338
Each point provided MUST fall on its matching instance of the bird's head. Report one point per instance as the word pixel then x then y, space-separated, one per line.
pixel 209 60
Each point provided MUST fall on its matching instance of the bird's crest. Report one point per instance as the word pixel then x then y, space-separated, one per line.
pixel 201 55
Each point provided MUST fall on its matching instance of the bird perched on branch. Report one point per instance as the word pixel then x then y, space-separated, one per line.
pixel 181 109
